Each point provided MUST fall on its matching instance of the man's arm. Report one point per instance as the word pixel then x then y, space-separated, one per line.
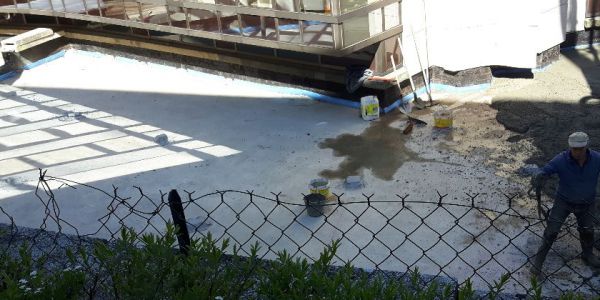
pixel 552 166
pixel 540 177
pixel 382 78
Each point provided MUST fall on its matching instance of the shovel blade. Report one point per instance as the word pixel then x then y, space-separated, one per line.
pixel 411 116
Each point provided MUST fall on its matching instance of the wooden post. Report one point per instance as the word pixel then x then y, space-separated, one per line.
pixel 183 237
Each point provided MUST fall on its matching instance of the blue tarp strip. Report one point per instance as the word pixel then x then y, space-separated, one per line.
pixel 8 75
pixel 42 61
pixel 315 96
pixel 32 65
pixel 394 105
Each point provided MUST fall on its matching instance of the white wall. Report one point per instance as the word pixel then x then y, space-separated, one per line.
pixel 463 34
pixel 575 14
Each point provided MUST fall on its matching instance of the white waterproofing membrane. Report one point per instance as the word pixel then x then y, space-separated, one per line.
pixel 463 34
pixel 92 118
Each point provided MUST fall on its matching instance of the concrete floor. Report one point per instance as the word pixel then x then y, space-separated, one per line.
pixel 231 134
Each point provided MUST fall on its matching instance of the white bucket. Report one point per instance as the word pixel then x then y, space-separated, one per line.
pixel 369 108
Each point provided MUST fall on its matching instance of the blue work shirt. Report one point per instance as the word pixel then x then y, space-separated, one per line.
pixel 576 184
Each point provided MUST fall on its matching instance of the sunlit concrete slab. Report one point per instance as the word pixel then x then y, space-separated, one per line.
pixel 8 89
pixel 5 124
pixel 33 126
pixel 105 66
pixel 193 145
pixel 79 128
pixel 62 143
pixel 173 137
pixel 125 144
pixel 98 114
pixel 23 93
pixel 152 158
pixel 218 151
pixel 26 138
pixel 64 155
pixel 16 111
pixel 140 166
pixel 142 128
pixel 9 103
pixel 38 97
pixel 14 165
pixel 8 191
pixel 71 107
pixel 38 115
pixel 55 103
pixel 118 121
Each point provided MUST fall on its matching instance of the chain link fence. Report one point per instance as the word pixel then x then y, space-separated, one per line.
pixel 460 236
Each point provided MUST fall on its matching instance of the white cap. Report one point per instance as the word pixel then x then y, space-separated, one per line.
pixel 578 139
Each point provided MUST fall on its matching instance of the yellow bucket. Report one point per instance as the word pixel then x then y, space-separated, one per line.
pixel 319 186
pixel 442 118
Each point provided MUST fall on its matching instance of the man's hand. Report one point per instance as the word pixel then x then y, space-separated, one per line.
pixel 538 180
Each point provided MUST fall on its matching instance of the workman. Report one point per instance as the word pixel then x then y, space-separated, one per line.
pixel 578 169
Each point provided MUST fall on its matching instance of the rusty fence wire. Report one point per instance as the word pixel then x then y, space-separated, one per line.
pixel 460 237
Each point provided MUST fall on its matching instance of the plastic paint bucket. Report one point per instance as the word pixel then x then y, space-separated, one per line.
pixel 315 204
pixel 442 118
pixel 319 186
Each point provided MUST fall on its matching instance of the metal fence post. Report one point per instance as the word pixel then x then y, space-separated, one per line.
pixel 183 236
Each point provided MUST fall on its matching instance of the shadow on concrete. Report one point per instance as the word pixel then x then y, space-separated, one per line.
pixel 113 138
pixel 216 142
pixel 548 124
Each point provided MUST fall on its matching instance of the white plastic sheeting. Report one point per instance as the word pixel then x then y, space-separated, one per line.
pixel 463 34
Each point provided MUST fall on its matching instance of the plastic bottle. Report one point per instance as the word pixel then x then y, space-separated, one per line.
pixel 369 108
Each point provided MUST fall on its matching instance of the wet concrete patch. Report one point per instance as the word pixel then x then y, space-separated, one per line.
pixel 380 148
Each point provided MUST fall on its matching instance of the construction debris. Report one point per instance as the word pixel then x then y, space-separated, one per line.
pixel 161 139
pixel 71 116
pixel 354 182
